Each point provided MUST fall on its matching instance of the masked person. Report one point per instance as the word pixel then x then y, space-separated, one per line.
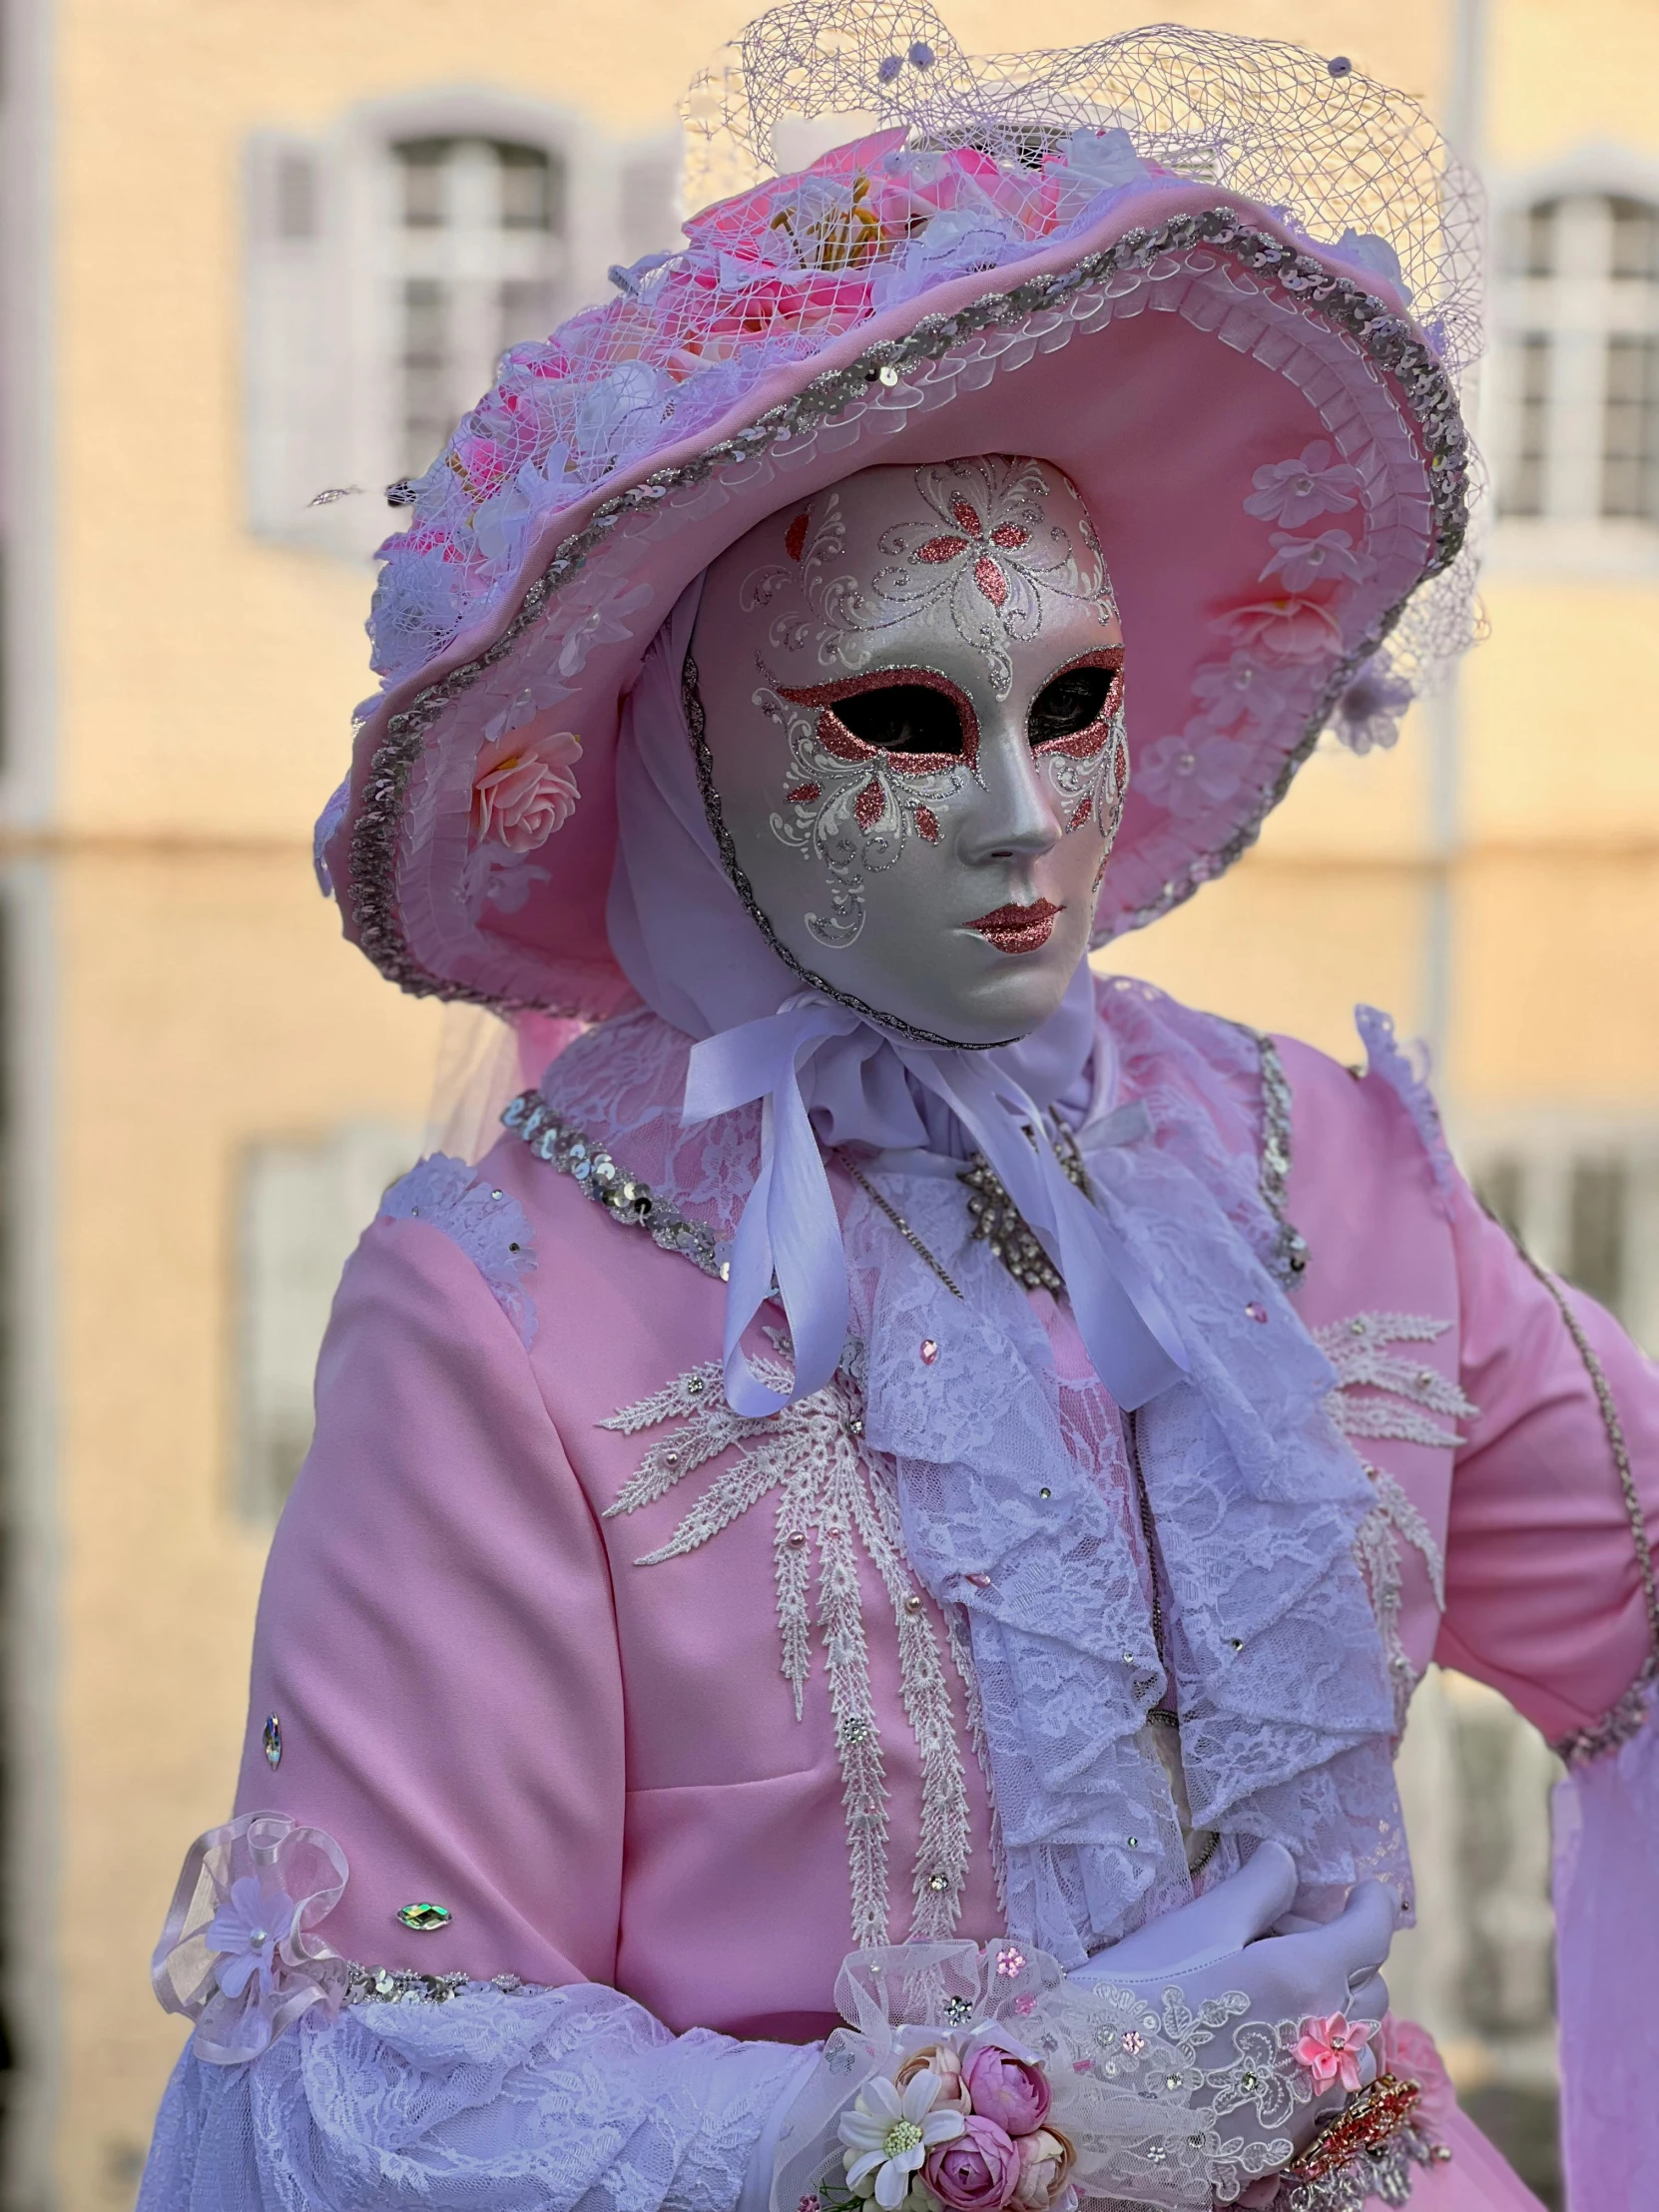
pixel 912 1483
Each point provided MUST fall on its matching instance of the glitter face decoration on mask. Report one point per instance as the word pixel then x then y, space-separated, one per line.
pixel 911 706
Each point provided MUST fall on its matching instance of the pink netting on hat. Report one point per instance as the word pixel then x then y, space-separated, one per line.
pixel 938 165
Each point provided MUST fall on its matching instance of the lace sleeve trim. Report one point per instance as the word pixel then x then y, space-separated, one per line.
pixel 1626 1717
pixel 625 1198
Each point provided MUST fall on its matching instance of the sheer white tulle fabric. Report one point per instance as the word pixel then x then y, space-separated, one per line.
pixel 494 2102
pixel 1607 1948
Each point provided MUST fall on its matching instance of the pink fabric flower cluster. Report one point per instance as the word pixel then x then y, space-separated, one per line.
pixel 521 794
pixel 1330 2050
pixel 964 2131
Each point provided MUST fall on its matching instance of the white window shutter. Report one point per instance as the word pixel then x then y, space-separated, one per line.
pixel 298 436
pixel 649 210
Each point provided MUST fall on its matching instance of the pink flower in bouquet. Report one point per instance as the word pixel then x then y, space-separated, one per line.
pixel 1045 2163
pixel 523 793
pixel 1330 2050
pixel 1007 2090
pixel 979 2172
pixel 940 2061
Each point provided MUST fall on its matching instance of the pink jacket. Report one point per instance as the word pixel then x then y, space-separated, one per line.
pixel 596 1766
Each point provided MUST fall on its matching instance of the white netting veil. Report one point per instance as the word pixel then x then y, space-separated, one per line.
pixel 1311 138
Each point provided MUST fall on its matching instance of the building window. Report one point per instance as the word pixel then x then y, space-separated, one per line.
pixel 1578 318
pixel 479 259
pixel 303 1204
pixel 392 259
pixel 1588 1207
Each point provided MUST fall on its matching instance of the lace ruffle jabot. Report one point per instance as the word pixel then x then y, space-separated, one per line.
pixel 1009 1497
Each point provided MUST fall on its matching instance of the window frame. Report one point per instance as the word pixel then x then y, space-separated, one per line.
pixel 1573 533
pixel 323 342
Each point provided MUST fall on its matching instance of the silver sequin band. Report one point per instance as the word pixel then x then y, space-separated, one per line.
pixel 1289 1260
pixel 402 1985
pixel 624 1196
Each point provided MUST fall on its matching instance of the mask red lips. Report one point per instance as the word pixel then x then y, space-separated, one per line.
pixel 1018 928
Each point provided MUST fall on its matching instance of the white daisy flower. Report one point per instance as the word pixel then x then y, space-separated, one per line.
pixel 888 2133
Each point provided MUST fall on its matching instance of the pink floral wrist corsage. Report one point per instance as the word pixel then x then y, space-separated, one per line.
pixel 956 2122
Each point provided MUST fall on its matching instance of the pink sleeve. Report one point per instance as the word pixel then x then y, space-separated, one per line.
pixel 436 1641
pixel 1545 1601
pixel 1544 1596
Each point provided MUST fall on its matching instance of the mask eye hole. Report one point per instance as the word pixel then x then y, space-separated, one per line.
pixel 1069 704
pixel 904 717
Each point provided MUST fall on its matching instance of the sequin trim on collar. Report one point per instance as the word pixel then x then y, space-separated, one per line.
pixel 999 1222
pixel 1289 1258
pixel 832 1499
pixel 624 1196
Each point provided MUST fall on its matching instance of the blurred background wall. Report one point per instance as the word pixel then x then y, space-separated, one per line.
pixel 249 253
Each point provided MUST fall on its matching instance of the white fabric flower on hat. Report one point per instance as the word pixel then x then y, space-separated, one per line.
pixel 1188 773
pixel 1295 491
pixel 889 2133
pixel 1305 561
pixel 1238 690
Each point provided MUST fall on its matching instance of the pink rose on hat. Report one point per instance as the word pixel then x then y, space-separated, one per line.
pixel 978 2171
pixel 522 793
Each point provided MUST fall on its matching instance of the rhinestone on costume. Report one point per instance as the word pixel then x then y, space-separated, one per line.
pixel 1045 1491
pixel 957 2011
pixel 272 1738
pixel 856 1729
pixel 1236 1642
pixel 693 1387
pixel 1010 1960
pixel 424 1917
pixel 1134 1841
pixel 1255 1310
pixel 929 1352
pixel 938 1882
pixel 1356 1328
pixel 979 1581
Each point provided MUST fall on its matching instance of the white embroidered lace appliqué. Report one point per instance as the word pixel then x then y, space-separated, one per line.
pixel 1380 1395
pixel 832 1499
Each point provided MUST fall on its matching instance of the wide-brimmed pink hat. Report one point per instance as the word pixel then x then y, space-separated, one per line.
pixel 1211 279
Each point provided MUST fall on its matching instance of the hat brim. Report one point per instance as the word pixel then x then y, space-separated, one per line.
pixel 1164 358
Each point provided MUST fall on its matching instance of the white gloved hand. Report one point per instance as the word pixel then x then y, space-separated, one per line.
pixel 1225 1943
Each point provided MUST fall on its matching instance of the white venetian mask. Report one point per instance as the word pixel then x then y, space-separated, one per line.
pixel 912 727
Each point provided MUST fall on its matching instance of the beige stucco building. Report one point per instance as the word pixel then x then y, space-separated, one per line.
pixel 253 253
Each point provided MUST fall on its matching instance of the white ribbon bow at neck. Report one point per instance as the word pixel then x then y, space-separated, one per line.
pixel 816 1056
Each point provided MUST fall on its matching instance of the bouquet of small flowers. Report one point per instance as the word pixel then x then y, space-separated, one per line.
pixel 957 2121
